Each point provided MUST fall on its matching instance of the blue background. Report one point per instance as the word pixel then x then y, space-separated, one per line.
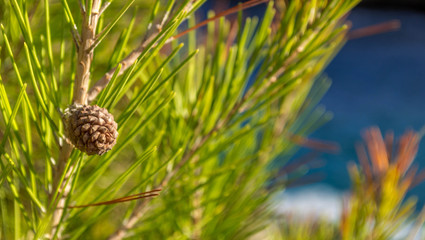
pixel 377 81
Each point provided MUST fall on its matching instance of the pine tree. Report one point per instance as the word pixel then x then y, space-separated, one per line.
pixel 201 114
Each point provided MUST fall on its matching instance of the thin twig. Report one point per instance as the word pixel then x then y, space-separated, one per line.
pixel 164 20
pixel 125 64
pixel 127 61
pixel 76 37
pixel 104 7
pixel 64 154
pixel 85 57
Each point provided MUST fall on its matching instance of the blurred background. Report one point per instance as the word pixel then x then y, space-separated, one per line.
pixel 377 80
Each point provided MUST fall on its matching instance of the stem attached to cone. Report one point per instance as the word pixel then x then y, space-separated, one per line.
pixel 82 77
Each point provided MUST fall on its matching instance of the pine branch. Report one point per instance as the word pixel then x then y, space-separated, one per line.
pixel 82 77
pixel 132 57
pixel 128 61
pixel 64 155
pixel 125 64
pixel 215 139
pixel 104 7
pixel 139 210
pixel 85 56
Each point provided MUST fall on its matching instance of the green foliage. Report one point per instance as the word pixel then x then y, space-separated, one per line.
pixel 202 116
pixel 296 229
pixel 377 209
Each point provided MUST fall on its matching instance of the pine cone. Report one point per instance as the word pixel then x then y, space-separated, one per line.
pixel 91 129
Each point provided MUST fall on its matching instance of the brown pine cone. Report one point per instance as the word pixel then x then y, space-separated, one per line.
pixel 91 129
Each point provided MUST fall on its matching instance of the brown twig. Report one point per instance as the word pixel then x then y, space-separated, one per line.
pixel 88 33
pixel 64 154
pixel 104 7
pixel 125 64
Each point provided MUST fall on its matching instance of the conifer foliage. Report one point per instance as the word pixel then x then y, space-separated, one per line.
pixel 200 114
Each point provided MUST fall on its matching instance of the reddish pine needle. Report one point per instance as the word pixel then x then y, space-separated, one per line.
pixel 377 150
pixel 364 162
pixel 229 11
pixel 148 194
pixel 301 161
pixel 374 29
pixel 155 191
pixel 383 157
pixel 418 179
pixel 315 144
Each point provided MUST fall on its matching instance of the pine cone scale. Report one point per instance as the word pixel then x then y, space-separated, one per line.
pixel 91 129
